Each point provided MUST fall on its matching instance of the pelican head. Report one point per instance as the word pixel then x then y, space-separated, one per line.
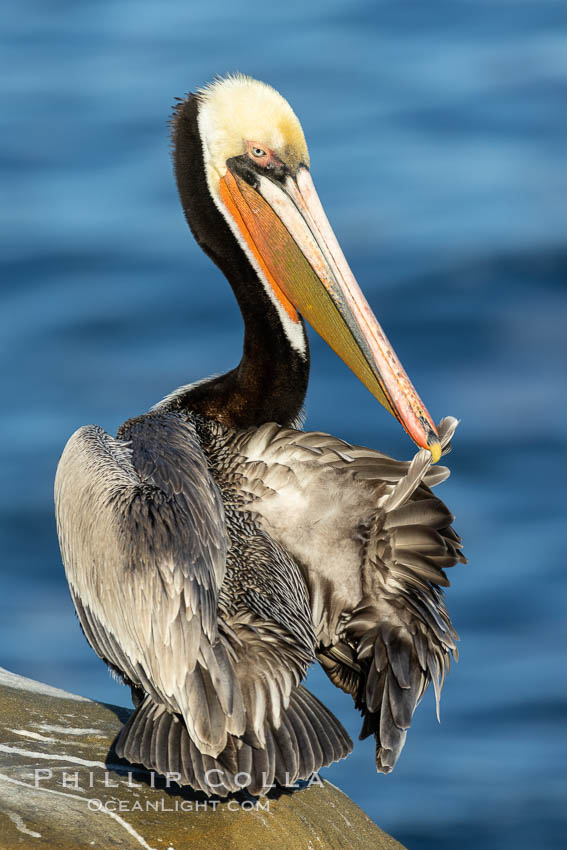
pixel 257 172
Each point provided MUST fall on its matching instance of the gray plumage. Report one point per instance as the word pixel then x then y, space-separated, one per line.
pixel 373 542
pixel 209 567
pixel 183 595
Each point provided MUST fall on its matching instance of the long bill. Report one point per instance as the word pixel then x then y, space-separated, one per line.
pixel 285 227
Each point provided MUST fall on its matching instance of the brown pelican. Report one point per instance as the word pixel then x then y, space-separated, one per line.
pixel 212 550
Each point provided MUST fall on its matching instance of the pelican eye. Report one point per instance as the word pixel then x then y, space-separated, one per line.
pixel 258 152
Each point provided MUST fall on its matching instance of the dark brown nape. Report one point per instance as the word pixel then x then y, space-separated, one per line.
pixel 270 382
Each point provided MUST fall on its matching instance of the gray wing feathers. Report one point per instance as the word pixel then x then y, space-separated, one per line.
pixel 401 629
pixel 177 513
pixel 319 498
pixel 143 540
pixel 269 670
pixel 373 542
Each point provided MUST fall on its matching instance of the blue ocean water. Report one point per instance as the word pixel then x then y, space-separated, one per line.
pixel 437 134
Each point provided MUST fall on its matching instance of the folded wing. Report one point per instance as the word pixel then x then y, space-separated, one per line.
pixel 143 539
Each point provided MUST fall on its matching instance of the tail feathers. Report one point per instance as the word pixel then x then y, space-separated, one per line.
pixel 309 737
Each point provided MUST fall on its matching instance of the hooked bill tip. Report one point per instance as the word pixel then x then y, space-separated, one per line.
pixel 435 449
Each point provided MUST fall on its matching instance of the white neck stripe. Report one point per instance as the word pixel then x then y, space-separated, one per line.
pixel 294 331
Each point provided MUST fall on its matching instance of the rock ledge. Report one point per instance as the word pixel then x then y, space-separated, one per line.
pixel 59 789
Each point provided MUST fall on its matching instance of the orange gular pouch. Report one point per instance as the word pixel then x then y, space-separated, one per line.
pixel 261 230
pixel 292 278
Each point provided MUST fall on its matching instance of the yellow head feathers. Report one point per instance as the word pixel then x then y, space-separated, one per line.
pixel 237 109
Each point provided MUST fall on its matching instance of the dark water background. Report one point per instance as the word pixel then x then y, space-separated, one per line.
pixel 438 142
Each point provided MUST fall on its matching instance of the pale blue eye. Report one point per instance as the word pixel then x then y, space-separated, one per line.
pixel 258 152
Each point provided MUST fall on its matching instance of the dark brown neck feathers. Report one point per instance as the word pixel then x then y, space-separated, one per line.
pixel 270 382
